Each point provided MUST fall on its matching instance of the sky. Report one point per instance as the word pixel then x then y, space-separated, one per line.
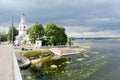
pixel 81 18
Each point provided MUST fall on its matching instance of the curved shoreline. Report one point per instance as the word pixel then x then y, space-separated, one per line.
pixel 36 61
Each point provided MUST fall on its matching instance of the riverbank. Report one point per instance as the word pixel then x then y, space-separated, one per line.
pixel 67 51
pixel 34 54
pixel 33 57
pixel 39 55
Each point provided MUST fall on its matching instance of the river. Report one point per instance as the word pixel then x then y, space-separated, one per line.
pixel 101 61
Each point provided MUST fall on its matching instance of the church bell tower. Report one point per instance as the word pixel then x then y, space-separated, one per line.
pixel 22 26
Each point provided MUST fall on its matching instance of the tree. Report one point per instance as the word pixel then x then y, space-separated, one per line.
pixel 70 41
pixel 28 30
pixel 3 37
pixel 35 32
pixel 25 42
pixel 55 35
pixel 15 33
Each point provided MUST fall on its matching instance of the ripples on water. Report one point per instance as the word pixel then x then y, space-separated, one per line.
pixel 100 62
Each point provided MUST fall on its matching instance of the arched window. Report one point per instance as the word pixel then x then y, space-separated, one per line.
pixel 24 28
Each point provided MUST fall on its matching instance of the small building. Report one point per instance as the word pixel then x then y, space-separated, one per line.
pixel 38 43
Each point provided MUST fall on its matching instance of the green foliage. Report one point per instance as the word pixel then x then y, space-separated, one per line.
pixel 55 35
pixel 37 54
pixel 24 42
pixel 15 32
pixel 70 41
pixel 32 54
pixel 35 32
pixel 28 30
pixel 3 37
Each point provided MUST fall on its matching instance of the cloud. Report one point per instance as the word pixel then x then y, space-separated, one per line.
pixel 77 16
pixel 78 29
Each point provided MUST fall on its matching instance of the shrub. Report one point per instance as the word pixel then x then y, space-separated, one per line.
pixel 32 54
pixel 37 54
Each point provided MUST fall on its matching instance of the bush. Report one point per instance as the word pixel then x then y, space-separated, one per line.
pixel 25 42
pixel 46 53
pixel 37 54
pixel 32 54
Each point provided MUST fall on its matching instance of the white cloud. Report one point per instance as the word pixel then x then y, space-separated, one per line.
pixel 98 20
pixel 78 29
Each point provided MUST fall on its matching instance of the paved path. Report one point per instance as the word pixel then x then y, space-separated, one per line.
pixel 6 71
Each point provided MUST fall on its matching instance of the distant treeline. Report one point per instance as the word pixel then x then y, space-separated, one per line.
pixel 96 38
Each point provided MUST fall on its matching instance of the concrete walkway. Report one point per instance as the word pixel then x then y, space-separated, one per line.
pixel 6 70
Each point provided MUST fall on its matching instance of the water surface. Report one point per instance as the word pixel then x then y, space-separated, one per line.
pixel 101 61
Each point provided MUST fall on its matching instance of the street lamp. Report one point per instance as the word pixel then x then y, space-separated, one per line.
pixel 12 29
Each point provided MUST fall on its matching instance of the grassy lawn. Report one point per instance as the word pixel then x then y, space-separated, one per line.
pixel 35 54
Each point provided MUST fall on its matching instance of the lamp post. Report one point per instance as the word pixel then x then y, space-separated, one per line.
pixel 12 29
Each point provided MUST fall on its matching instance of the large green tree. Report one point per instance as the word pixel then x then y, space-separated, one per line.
pixel 15 33
pixel 55 35
pixel 28 30
pixel 3 37
pixel 35 32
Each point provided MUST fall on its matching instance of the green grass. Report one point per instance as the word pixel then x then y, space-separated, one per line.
pixel 38 54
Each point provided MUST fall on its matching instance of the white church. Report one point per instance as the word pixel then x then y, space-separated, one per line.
pixel 22 33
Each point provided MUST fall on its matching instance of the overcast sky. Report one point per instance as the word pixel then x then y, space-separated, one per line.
pixel 79 17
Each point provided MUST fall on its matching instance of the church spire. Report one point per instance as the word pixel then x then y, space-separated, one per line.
pixel 22 26
pixel 23 18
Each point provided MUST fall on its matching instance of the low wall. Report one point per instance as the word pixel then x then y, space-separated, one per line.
pixel 16 70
